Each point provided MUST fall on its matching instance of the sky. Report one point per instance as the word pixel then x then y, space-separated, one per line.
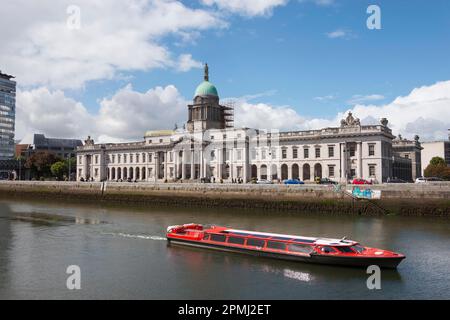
pixel 115 69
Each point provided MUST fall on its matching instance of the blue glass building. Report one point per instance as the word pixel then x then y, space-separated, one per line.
pixel 7 115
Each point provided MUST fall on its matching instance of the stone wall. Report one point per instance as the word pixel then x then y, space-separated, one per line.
pixel 409 199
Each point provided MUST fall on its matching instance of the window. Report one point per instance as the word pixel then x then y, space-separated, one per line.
pixel 328 250
pixel 236 240
pixel 96 159
pixel 345 249
pixel 372 170
pixel 276 245
pixel 124 158
pixel 149 157
pixel 137 158
pixel 143 157
pixel 239 154
pixel 352 151
pixel 274 153
pixel 218 237
pixel 295 153
pixel 352 173
pixel 306 153
pixel 113 158
pixel 263 154
pixel 131 158
pixel 96 172
pixel 171 156
pixel 302 248
pixel 330 152
pixel 371 149
pixel 406 156
pixel 358 248
pixel 317 152
pixel 255 242
pixel 160 140
pixel 331 171
pixel 149 141
pixel 283 153
pixel 213 155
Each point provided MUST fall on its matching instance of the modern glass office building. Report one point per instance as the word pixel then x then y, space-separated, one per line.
pixel 7 115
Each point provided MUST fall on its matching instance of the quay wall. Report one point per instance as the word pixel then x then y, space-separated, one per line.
pixel 400 199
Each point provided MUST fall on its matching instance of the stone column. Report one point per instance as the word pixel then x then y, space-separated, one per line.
pixel 343 166
pixel 246 164
pixel 289 171
pixel 156 166
pixel 201 164
pixel 219 164
pixel 359 159
pixel 165 165
pixel 85 166
pixel 183 165
pixel 192 164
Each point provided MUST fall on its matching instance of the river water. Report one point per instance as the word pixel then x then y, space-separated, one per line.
pixel 122 254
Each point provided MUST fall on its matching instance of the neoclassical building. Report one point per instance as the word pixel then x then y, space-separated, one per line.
pixel 209 146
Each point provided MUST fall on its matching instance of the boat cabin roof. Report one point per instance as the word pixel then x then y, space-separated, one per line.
pixel 284 237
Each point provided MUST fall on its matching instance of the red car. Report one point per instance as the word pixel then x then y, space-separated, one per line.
pixel 361 181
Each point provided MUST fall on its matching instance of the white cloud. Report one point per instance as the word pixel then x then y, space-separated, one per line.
pixel 115 36
pixel 123 117
pixel 128 114
pixel 341 34
pixel 325 98
pixel 424 111
pixel 247 7
pixel 51 113
pixel 358 98
pixel 186 63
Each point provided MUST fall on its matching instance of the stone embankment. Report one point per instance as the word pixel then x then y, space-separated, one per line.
pixel 400 199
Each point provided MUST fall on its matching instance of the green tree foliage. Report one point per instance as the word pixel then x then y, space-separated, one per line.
pixel 437 168
pixel 59 169
pixel 40 163
pixel 436 161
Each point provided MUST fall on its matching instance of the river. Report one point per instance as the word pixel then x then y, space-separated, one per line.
pixel 122 254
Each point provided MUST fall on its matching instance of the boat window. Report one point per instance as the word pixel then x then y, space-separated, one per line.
pixel 345 249
pixel 255 242
pixel 236 240
pixel 358 248
pixel 276 245
pixel 300 248
pixel 328 250
pixel 218 237
pixel 206 236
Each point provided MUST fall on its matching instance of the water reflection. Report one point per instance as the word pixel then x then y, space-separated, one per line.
pixel 123 253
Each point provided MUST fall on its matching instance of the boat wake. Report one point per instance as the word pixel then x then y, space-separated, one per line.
pixel 134 236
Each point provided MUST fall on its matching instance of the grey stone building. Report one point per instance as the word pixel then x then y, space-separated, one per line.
pixel 209 146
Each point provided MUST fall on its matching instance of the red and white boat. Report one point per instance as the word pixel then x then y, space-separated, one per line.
pixel 282 246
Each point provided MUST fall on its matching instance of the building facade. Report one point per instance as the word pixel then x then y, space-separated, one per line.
pixel 7 116
pixel 407 163
pixel 435 149
pixel 63 148
pixel 210 147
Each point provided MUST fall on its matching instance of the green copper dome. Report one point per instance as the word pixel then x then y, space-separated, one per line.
pixel 206 88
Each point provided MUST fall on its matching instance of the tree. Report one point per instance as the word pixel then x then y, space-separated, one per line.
pixel 435 161
pixel 59 169
pixel 40 162
pixel 437 168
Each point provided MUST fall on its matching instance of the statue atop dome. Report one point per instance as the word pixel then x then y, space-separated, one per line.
pixel 206 76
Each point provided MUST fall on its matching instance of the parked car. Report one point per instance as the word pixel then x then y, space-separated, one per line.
pixel 361 181
pixel 428 179
pixel 326 181
pixel 293 181
pixel 395 180
pixel 263 181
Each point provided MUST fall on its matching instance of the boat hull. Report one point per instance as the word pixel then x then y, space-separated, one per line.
pixel 389 263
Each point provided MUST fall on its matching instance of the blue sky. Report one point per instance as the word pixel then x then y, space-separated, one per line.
pixel 133 66
pixel 289 56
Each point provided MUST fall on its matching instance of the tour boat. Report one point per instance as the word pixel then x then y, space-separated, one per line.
pixel 281 246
